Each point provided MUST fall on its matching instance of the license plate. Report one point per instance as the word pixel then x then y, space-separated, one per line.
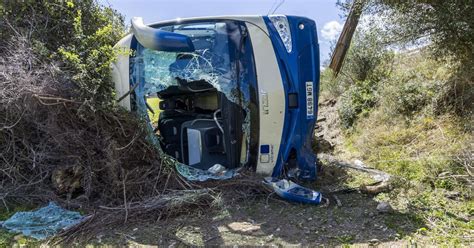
pixel 309 100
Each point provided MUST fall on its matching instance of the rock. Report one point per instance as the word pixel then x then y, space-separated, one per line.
pixel 329 102
pixel 373 242
pixel 384 207
pixel 222 229
pixel 323 145
pixel 359 163
pixel 384 186
pixel 243 227
pixel 67 180
pixel 453 195
pixel 18 237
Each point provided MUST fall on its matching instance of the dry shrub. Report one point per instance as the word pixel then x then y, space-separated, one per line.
pixel 56 148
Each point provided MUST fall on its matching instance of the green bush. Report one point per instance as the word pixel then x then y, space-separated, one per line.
pixel 80 34
pixel 421 86
pixel 410 97
pixel 357 100
pixel 367 57
pixel 366 68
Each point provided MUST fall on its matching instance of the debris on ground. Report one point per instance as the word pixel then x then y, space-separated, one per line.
pixel 380 187
pixel 383 180
pixel 198 175
pixel 157 207
pixel 245 227
pixel 42 223
pixel 338 202
pixel 293 192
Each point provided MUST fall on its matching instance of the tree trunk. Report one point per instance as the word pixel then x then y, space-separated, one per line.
pixel 345 38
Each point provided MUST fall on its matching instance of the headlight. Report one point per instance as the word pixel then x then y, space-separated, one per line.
pixel 280 22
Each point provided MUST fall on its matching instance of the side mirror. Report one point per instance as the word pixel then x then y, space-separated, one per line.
pixel 159 39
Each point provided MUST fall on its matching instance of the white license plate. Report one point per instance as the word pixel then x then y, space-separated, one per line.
pixel 309 100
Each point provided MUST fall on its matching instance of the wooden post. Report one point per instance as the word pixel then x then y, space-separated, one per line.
pixel 345 38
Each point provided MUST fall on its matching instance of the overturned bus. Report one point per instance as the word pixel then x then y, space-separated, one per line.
pixel 237 91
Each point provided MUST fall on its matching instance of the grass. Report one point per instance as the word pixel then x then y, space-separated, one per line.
pixel 7 239
pixel 409 135
pixel 419 152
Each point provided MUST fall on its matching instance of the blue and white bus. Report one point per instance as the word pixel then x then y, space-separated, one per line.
pixel 238 91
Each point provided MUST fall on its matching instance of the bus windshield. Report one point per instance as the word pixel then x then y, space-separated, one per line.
pixel 202 97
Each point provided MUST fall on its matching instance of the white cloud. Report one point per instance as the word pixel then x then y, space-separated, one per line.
pixel 331 30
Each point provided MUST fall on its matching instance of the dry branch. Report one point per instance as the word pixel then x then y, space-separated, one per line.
pixel 161 206
pixel 383 180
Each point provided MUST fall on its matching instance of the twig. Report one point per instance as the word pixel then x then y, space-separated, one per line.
pixel 125 195
pixel 59 100
pixel 338 202
pixel 14 124
pixel 128 92
pixel 131 142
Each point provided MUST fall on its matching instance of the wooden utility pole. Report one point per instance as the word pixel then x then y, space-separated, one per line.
pixel 345 38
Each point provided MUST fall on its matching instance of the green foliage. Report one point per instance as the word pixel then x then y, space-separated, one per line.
pixel 357 100
pixel 448 223
pixel 7 238
pixel 412 86
pixel 410 113
pixel 448 25
pixel 421 153
pixel 368 64
pixel 443 30
pixel 419 150
pixel 80 34
pixel 367 57
pixel 411 98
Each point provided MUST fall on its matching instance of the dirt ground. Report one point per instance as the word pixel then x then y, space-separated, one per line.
pixel 349 218
pixel 270 221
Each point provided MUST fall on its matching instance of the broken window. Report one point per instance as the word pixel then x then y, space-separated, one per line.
pixel 200 102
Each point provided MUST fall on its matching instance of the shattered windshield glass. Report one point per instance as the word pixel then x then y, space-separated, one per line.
pixel 211 60
pixel 184 82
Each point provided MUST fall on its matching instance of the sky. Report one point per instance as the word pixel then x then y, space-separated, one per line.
pixel 328 16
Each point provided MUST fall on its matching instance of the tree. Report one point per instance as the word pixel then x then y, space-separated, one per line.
pixel 447 25
pixel 79 34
